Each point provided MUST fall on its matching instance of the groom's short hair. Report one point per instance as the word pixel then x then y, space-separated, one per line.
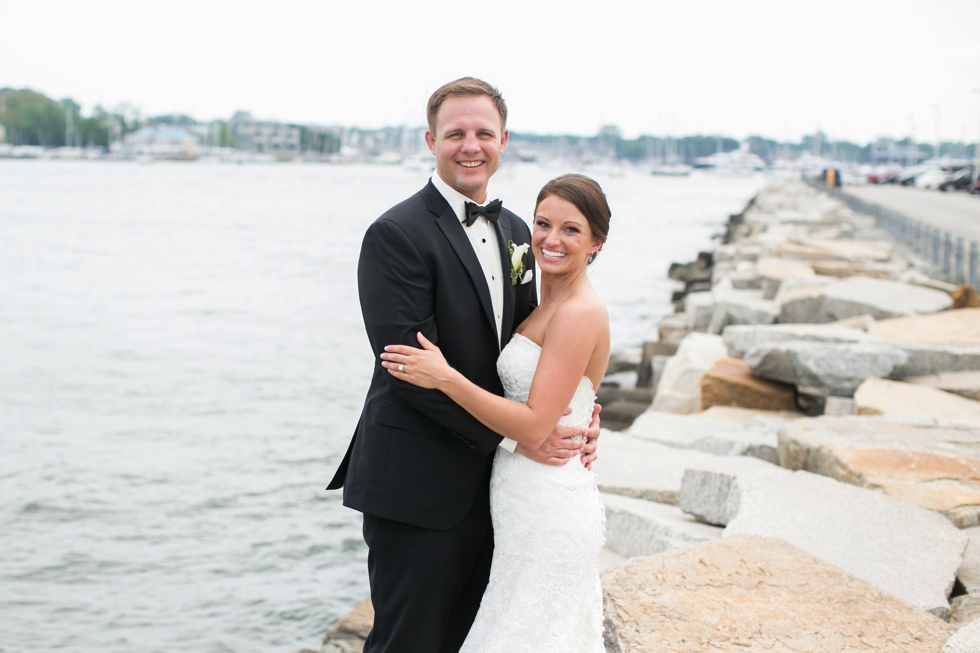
pixel 465 86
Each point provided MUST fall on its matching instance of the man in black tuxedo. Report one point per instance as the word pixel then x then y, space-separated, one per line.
pixel 418 466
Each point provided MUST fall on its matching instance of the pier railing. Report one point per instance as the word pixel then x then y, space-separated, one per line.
pixel 957 260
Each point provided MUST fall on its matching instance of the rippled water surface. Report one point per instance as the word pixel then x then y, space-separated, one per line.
pixel 182 363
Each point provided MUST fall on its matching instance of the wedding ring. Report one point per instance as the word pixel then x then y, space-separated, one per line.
pixel 401 368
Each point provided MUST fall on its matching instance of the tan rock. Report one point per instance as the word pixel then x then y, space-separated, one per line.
pixel 349 633
pixel 749 593
pixel 933 467
pixel 884 397
pixel 729 382
pixel 965 296
pixel 964 384
pixel 959 327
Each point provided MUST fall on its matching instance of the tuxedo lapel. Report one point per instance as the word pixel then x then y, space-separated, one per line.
pixel 453 230
pixel 504 236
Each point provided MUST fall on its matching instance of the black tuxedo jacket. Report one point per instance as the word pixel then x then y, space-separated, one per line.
pixel 417 457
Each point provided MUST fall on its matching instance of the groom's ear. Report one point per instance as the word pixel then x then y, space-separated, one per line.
pixel 503 140
pixel 430 140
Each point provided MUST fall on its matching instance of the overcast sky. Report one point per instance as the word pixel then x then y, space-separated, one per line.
pixel 856 69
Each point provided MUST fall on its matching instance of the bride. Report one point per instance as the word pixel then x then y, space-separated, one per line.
pixel 544 592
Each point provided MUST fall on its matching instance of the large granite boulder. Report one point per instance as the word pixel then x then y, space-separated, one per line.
pixel 969 571
pixel 936 468
pixel 741 307
pixel 741 338
pixel 722 437
pixel 757 594
pixel 698 307
pixel 730 382
pixel 679 390
pixel 643 469
pixel 635 527
pixel 884 397
pixel 834 369
pixel 879 298
pixel 908 551
pixel 927 358
pixel 960 327
pixel 966 640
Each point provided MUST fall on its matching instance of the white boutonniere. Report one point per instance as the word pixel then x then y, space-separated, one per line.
pixel 517 272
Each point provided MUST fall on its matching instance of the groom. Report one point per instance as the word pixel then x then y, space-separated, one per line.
pixel 418 466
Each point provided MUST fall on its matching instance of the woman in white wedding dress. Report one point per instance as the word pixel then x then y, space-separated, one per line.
pixel 544 594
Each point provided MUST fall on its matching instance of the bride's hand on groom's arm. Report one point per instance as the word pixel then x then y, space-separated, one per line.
pixel 426 367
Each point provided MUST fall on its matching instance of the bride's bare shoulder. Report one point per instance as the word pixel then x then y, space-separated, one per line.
pixel 583 309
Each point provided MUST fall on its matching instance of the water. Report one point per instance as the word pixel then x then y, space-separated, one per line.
pixel 182 364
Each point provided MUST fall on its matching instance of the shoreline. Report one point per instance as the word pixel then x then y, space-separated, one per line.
pixel 814 404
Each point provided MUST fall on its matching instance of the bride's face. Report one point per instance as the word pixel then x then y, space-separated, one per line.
pixel 561 240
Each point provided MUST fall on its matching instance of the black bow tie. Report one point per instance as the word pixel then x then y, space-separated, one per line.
pixel 491 212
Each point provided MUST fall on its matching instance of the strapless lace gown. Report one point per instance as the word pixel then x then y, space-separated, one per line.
pixel 544 594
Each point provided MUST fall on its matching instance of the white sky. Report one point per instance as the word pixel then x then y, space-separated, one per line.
pixel 856 69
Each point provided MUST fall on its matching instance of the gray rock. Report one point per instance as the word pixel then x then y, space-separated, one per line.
pixel 969 572
pixel 698 307
pixel 658 363
pixel 800 299
pixel 838 406
pixel 719 437
pixel 879 298
pixel 741 338
pixel 924 359
pixel 836 369
pixel 742 307
pixel 642 469
pixel 640 528
pixel 966 640
pixel 908 551
pixel 712 496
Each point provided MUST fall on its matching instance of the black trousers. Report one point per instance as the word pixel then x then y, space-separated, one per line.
pixel 426 585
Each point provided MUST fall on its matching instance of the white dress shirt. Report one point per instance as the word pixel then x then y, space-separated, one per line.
pixel 483 238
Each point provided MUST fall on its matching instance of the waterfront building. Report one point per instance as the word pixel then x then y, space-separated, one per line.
pixel 263 136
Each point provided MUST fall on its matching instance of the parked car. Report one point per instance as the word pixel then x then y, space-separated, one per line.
pixel 933 178
pixel 960 180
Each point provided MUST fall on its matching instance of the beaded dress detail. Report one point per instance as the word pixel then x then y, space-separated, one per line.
pixel 544 594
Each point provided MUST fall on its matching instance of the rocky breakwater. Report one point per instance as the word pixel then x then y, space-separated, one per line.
pixel 808 474
pixel 799 466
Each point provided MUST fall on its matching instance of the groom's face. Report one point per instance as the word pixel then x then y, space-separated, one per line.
pixel 468 143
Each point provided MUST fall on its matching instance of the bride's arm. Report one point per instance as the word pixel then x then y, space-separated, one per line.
pixel 570 340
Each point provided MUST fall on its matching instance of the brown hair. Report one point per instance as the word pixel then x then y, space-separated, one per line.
pixel 587 196
pixel 465 86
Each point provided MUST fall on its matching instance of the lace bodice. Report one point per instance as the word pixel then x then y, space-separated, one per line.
pixel 516 366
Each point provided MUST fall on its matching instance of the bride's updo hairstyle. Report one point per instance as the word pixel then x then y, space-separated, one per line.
pixel 586 195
